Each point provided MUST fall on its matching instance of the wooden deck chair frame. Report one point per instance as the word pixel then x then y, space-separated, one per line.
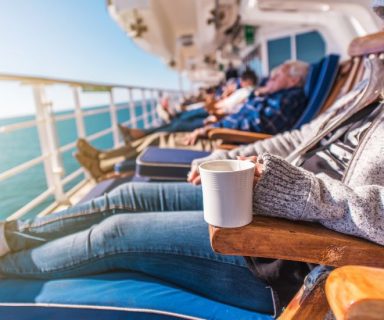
pixel 355 292
pixel 349 74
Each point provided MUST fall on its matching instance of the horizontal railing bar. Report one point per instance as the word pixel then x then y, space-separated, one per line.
pixel 45 80
pixel 123 107
pixel 54 205
pixel 32 123
pixel 48 209
pixel 129 122
pixel 141 116
pixel 31 204
pixel 93 112
pixel 63 117
pixel 72 176
pixel 67 147
pixel 99 134
pixel 22 167
pixel 19 125
pixel 95 136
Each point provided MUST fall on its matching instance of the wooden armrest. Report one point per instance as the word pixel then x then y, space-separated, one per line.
pixel 225 146
pixel 230 135
pixel 295 240
pixel 356 292
pixel 372 43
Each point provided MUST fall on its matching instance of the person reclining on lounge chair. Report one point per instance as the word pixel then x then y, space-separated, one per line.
pixel 269 113
pixel 330 171
pixel 270 109
pixel 231 102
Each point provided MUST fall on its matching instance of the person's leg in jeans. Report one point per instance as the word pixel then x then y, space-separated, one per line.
pixel 172 246
pixel 186 121
pixel 130 197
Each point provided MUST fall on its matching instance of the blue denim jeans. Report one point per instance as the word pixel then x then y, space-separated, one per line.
pixel 186 121
pixel 157 229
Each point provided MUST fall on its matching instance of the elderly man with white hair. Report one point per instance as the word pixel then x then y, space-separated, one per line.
pixel 270 109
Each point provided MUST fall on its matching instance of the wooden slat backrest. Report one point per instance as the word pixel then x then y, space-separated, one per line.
pixel 363 46
pixel 342 83
pixel 351 71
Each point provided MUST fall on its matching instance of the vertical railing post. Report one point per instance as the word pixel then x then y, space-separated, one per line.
pixel 173 97
pixel 132 109
pixel 181 85
pixel 155 117
pixel 144 107
pixel 78 113
pixel 293 47
pixel 113 112
pixel 49 144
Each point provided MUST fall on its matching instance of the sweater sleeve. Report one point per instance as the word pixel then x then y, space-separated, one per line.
pixel 282 145
pixel 294 193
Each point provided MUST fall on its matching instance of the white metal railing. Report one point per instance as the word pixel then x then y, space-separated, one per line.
pixel 46 119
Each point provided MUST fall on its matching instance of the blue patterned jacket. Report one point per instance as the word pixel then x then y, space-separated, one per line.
pixel 271 114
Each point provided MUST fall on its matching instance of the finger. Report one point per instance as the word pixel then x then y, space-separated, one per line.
pixel 192 174
pixel 255 181
pixel 187 140
pixel 259 168
pixel 196 181
pixel 252 159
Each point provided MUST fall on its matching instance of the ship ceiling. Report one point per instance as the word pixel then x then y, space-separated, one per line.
pixel 196 36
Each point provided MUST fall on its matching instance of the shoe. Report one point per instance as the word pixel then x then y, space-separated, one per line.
pixel 91 165
pixel 87 149
pixel 130 134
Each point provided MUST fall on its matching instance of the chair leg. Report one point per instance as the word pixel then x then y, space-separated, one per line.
pixel 308 305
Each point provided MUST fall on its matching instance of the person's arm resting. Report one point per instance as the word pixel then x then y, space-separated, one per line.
pixel 284 190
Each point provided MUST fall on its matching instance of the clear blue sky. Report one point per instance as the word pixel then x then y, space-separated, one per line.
pixel 72 39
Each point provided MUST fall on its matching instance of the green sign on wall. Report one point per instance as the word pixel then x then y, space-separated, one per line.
pixel 249 34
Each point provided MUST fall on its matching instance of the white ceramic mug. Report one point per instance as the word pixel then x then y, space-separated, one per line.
pixel 227 192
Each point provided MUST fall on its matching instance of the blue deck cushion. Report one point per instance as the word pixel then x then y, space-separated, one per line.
pixel 312 76
pixel 324 83
pixel 112 296
pixel 126 165
pixel 166 163
pixel 104 187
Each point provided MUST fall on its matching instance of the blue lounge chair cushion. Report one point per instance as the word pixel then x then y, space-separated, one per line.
pixel 166 163
pixel 312 76
pixel 126 165
pixel 112 296
pixel 324 83
pixel 104 187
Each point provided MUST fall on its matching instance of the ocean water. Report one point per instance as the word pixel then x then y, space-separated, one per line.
pixel 22 145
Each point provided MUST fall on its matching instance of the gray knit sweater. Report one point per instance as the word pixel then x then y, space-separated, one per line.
pixel 354 205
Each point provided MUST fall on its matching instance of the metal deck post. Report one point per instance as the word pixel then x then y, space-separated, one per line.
pixel 78 113
pixel 132 111
pixel 49 143
pixel 145 109
pixel 113 111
